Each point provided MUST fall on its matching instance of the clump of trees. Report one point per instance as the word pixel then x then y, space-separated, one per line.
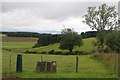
pixel 21 34
pixel 46 39
pixel 70 39
pixel 89 34
pixel 103 19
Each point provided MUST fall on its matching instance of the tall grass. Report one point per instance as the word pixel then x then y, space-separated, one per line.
pixel 110 60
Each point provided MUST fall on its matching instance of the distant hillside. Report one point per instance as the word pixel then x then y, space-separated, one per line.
pixel 87 47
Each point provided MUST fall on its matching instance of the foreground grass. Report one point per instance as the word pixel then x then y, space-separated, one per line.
pixel 88 68
pixel 109 60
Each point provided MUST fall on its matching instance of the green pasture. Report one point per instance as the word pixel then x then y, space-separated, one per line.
pixel 17 46
pixel 2 35
pixel 24 45
pixel 87 46
pixel 88 68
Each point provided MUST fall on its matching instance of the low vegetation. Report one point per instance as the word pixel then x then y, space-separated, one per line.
pixel 110 60
pixel 88 67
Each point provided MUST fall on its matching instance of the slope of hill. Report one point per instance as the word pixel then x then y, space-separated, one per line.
pixel 87 47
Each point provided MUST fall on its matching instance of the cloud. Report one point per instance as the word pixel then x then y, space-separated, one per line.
pixel 44 16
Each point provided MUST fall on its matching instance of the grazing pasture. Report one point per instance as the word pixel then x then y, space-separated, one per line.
pixel 87 47
pixel 88 67
pixel 1 35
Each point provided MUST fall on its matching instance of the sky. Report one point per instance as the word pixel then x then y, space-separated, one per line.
pixel 45 17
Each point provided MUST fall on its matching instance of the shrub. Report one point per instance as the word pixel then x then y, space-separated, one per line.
pixel 113 41
pixel 58 52
pixel 65 53
pixel 43 52
pixel 51 52
pixel 107 50
pixel 32 52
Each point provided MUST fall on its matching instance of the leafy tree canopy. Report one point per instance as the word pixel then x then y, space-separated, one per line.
pixel 70 39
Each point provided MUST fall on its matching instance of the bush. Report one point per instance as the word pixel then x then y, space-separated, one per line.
pixel 113 41
pixel 52 52
pixel 43 52
pixel 80 53
pixel 58 52
pixel 107 50
pixel 32 52
pixel 76 52
pixel 65 53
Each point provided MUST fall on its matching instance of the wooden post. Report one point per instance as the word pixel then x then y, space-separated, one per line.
pixel 10 62
pixel 76 64
pixel 116 64
pixel 41 66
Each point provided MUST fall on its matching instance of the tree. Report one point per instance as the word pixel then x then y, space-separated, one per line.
pixel 113 40
pixel 101 19
pixel 70 39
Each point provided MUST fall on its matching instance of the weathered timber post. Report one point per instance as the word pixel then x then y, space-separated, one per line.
pixel 49 66
pixel 41 66
pixel 76 64
pixel 53 69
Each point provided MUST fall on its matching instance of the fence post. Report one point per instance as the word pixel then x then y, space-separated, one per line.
pixel 76 64
pixel 19 63
pixel 10 63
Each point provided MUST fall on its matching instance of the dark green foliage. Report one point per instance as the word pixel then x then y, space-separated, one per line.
pixel 70 39
pixel 43 52
pixel 22 34
pixel 58 52
pixel 51 52
pixel 46 39
pixel 113 41
pixel 89 34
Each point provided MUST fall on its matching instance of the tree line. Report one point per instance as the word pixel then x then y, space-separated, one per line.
pixel 21 34
pixel 86 34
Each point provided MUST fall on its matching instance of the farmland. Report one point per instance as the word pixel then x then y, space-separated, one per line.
pixel 87 42
pixel 2 35
pixel 88 67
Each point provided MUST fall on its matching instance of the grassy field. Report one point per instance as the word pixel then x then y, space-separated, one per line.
pixel 2 35
pixel 18 44
pixel 88 67
pixel 22 44
pixel 87 47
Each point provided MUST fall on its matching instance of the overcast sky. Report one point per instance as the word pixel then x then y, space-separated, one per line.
pixel 45 16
